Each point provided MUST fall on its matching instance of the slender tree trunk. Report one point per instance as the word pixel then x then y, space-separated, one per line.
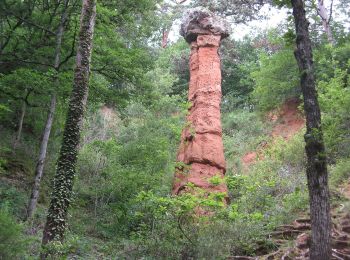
pixel 64 177
pixel 322 12
pixel 20 125
pixel 46 134
pixel 42 155
pixel 165 36
pixel 317 176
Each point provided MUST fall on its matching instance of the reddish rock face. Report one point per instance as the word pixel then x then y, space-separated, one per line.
pixel 201 150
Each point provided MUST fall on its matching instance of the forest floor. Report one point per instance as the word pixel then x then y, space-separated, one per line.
pixel 293 240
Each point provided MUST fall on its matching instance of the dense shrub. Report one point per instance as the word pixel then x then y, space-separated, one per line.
pixel 244 131
pixel 276 80
pixel 340 172
pixel 12 242
pixel 334 96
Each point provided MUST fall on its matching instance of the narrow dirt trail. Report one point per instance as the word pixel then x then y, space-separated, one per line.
pixel 340 231
pixel 293 240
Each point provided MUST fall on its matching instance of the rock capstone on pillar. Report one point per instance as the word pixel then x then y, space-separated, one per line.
pixel 201 152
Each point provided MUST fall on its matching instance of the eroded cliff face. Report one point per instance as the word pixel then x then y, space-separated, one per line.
pixel 201 152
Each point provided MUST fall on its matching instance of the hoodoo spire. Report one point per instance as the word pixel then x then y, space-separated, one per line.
pixel 201 151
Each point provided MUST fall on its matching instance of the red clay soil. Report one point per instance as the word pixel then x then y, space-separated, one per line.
pixel 288 121
pixel 249 158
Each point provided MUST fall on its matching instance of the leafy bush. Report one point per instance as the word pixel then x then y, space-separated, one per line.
pixel 137 157
pixel 243 132
pixel 73 246
pixel 334 96
pixel 340 172
pixel 277 79
pixel 173 228
pixel 273 193
pixel 12 242
pixel 265 189
pixel 13 199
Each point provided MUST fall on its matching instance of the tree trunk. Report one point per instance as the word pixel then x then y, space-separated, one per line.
pixel 322 12
pixel 42 156
pixel 20 125
pixel 46 134
pixel 64 177
pixel 165 36
pixel 317 176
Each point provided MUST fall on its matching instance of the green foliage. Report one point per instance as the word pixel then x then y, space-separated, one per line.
pixel 238 58
pixel 215 180
pixel 4 109
pixel 340 172
pixel 72 245
pixel 12 243
pixel 137 157
pixel 334 97
pixel 12 199
pixel 243 131
pixel 274 188
pixel 174 60
pixel 122 207
pixel 173 229
pixel 277 79
pixel 24 83
pixel 272 193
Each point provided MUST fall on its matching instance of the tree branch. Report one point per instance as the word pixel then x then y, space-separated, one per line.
pixel 31 62
pixel 104 72
pixel 24 20
pixel 24 99
pixel 72 52
pixel 330 12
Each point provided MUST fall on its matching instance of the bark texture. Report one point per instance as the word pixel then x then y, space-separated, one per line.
pixel 64 177
pixel 201 152
pixel 39 169
pixel 316 171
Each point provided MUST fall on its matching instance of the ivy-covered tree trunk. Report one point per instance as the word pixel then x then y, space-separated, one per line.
pixel 47 130
pixel 317 176
pixel 64 177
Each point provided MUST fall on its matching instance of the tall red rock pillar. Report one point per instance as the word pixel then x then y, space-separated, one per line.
pixel 201 161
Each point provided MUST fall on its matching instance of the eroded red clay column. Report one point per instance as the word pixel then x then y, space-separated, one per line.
pixel 201 152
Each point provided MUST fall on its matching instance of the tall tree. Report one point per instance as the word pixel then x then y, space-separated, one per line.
pixel 47 130
pixel 317 175
pixel 326 18
pixel 64 177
